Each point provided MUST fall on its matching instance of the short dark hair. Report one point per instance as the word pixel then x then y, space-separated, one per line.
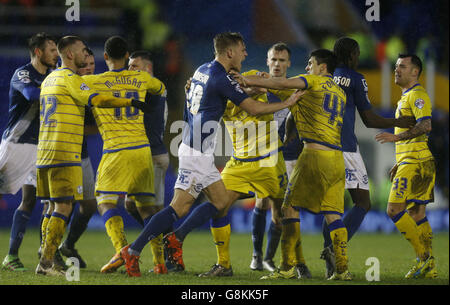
pixel 280 46
pixel 343 49
pixel 67 41
pixel 324 56
pixel 116 47
pixel 415 60
pixel 38 41
pixel 145 55
pixel 224 40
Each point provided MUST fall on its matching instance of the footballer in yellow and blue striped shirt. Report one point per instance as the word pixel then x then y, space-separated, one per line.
pixel 318 180
pixel 63 97
pixel 126 167
pixel 413 175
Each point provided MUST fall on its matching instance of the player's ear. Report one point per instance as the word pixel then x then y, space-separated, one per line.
pixel 127 55
pixel 105 56
pixel 230 52
pixel 37 52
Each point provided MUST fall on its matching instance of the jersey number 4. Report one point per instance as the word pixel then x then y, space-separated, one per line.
pixel 334 106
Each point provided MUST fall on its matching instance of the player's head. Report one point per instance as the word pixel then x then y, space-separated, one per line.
pixel 140 60
pixel 230 46
pixel 279 59
pixel 407 69
pixel 90 64
pixel 116 48
pixel 347 52
pixel 43 47
pixel 73 51
pixel 321 62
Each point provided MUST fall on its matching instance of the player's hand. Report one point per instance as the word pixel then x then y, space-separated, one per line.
pixel 263 74
pixel 393 172
pixel 188 85
pixel 386 137
pixel 405 122
pixel 252 91
pixel 145 107
pixel 295 97
pixel 241 80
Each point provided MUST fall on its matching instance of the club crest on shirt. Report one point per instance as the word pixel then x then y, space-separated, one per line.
pixel 24 76
pixel 419 103
pixel 84 87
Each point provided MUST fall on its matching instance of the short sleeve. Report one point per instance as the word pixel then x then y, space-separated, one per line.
pixel 361 96
pixel 78 89
pixel 420 105
pixel 231 90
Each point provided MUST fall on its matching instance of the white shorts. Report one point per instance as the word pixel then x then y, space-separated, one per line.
pixel 196 170
pixel 355 171
pixel 88 179
pixel 17 166
pixel 290 164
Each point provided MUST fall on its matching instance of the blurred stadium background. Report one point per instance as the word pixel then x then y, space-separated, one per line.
pixel 179 34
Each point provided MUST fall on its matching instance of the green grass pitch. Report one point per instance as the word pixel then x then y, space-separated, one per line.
pixel 393 252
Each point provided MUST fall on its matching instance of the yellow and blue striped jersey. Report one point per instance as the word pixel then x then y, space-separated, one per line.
pixel 319 113
pixel 413 102
pixel 123 128
pixel 253 137
pixel 63 98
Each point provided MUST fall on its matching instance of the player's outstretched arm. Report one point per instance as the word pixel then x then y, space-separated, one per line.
pixel 254 107
pixel 373 120
pixel 422 127
pixel 270 83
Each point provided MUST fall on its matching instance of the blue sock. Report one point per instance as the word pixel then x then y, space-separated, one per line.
pixel 157 224
pixel 353 219
pixel 273 239
pixel 78 225
pixel 258 230
pixel 220 222
pixel 18 228
pixel 326 234
pixel 200 215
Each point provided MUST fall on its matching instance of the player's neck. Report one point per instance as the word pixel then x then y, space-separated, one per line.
pixel 224 63
pixel 38 66
pixel 70 65
pixel 409 85
pixel 115 65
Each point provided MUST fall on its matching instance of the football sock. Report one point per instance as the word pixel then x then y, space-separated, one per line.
pixel 338 234
pixel 18 228
pixel 200 215
pixel 159 223
pixel 273 239
pixel 40 226
pixel 258 229
pixel 77 227
pixel 115 228
pixel 352 221
pixel 55 230
pixel 221 231
pixel 426 234
pixel 44 225
pixel 299 258
pixel 407 226
pixel 156 246
pixel 289 238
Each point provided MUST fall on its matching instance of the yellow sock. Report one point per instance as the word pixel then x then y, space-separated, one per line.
pixel 426 234
pixel 44 229
pixel 407 226
pixel 289 243
pixel 114 229
pixel 299 258
pixel 156 245
pixel 338 234
pixel 54 232
pixel 221 237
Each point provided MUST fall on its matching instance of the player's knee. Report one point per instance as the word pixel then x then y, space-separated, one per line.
pixel 365 204
pixel 393 209
pixel 263 204
pixel 88 207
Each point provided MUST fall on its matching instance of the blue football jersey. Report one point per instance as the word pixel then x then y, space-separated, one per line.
pixel 23 113
pixel 207 98
pixel 155 122
pixel 355 86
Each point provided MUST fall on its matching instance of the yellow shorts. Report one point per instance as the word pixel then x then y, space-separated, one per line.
pixel 126 172
pixel 60 183
pixel 255 178
pixel 317 182
pixel 414 183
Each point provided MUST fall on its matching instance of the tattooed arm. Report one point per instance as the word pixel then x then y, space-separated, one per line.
pixel 419 129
